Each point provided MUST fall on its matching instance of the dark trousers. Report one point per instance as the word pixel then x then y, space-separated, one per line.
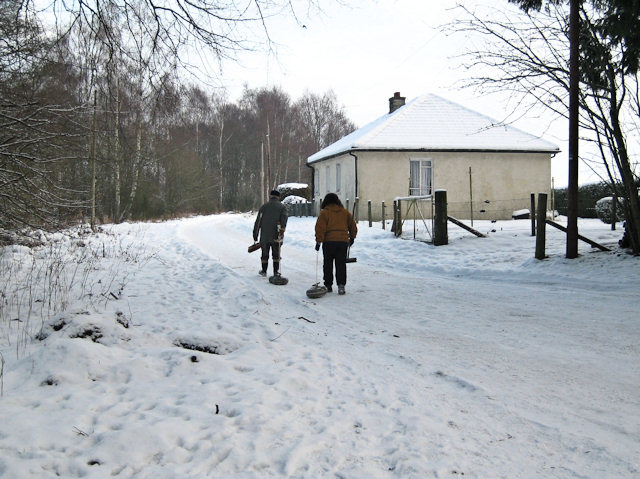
pixel 275 252
pixel 334 252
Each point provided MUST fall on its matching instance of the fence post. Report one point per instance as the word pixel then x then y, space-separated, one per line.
pixel 440 234
pixel 399 226
pixel 369 213
pixel 533 214
pixel 347 203
pixel 384 219
pixel 471 195
pixel 395 217
pixel 541 230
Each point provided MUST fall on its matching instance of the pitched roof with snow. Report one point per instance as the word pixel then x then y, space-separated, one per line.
pixel 431 123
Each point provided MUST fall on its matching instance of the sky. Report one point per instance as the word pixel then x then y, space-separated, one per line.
pixel 367 51
pixel 169 356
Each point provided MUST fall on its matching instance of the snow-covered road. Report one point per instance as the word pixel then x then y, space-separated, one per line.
pixel 472 358
pixel 481 357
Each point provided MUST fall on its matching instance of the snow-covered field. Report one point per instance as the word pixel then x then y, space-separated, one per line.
pixel 471 359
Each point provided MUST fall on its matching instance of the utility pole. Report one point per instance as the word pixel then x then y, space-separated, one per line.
pixel 268 159
pixel 574 111
pixel 262 195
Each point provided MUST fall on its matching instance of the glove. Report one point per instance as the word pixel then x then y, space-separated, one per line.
pixel 351 241
pixel 317 246
pixel 255 239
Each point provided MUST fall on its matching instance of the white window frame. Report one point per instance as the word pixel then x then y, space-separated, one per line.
pixel 423 184
pixel 327 178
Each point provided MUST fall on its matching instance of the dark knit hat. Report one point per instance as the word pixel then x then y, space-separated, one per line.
pixel 275 193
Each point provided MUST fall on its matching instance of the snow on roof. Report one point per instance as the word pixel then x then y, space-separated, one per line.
pixel 430 122
pixel 292 186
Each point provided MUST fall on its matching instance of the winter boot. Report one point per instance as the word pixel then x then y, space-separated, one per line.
pixel 263 271
pixel 341 289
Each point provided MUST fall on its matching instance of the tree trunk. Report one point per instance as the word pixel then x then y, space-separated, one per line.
pixel 94 128
pixel 632 202
pixel 220 163
pixel 116 215
pixel 136 169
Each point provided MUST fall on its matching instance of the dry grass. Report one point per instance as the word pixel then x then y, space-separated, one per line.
pixel 79 268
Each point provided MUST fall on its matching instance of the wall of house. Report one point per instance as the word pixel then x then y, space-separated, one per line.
pixel 329 184
pixel 501 182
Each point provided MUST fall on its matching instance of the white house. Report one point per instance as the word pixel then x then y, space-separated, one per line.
pixel 488 169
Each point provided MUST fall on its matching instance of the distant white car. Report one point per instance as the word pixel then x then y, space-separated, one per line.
pixel 290 200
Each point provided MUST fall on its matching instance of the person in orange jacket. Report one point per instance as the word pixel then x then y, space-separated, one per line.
pixel 335 230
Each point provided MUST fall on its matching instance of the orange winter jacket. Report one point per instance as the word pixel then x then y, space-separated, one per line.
pixel 335 223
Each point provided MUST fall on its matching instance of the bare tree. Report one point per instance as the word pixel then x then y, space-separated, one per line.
pixel 322 119
pixel 271 113
pixel 527 54
pixel 224 135
pixel 108 40
pixel 174 26
pixel 40 140
pixel 95 119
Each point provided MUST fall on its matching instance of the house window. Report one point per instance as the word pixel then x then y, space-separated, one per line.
pixel 420 178
pixel 327 177
pixel 338 172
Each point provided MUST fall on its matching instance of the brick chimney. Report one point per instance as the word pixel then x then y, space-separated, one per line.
pixel 395 102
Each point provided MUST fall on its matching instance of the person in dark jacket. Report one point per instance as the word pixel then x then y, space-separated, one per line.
pixel 271 223
pixel 335 230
